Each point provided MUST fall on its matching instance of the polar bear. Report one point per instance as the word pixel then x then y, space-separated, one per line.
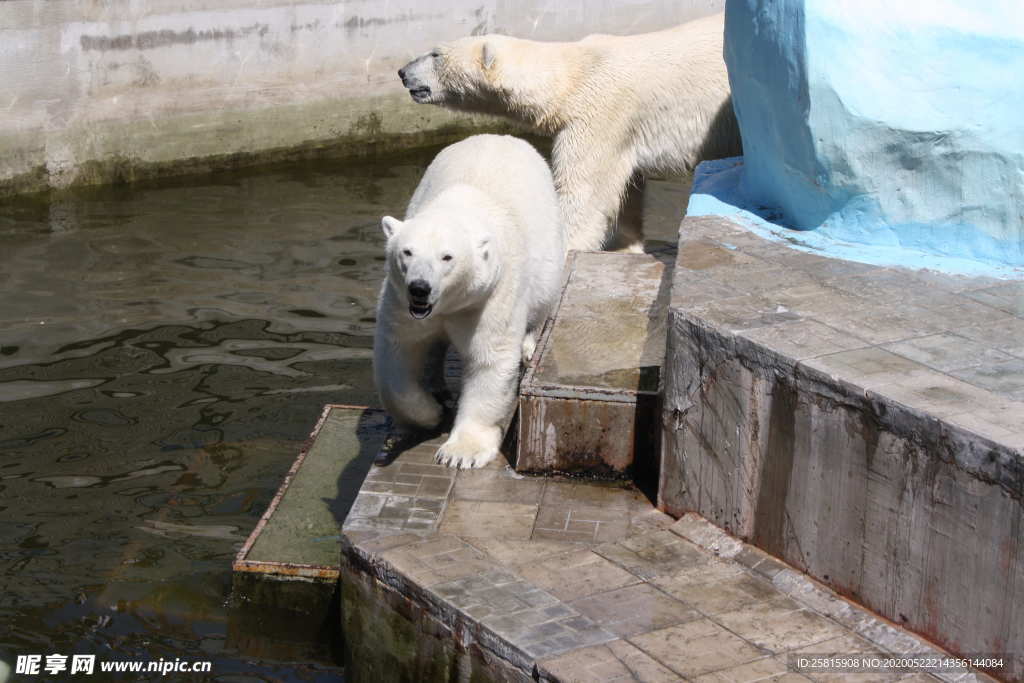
pixel 618 107
pixel 477 263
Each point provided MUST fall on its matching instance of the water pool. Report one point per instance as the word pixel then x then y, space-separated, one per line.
pixel 164 350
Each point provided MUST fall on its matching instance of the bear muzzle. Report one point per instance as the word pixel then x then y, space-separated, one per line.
pixel 419 299
pixel 419 90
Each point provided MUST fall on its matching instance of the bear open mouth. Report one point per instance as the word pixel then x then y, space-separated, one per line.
pixel 420 311
pixel 420 93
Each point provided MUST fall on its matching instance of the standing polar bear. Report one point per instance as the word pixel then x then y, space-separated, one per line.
pixel 618 106
pixel 476 263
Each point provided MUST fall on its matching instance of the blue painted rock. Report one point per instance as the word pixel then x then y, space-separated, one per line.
pixel 885 123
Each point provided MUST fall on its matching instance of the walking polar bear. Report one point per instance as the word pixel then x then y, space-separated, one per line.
pixel 618 106
pixel 476 263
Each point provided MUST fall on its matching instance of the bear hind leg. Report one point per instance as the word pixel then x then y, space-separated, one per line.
pixel 629 228
pixel 400 372
pixel 591 176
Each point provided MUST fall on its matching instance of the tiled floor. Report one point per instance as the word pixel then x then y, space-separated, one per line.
pixel 591 583
pixel 943 344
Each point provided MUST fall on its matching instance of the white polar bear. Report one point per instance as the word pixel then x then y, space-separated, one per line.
pixel 477 263
pixel 618 106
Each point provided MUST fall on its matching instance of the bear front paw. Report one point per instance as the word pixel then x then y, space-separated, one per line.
pixel 467 450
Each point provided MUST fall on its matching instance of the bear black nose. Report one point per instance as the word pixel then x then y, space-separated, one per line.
pixel 401 74
pixel 419 289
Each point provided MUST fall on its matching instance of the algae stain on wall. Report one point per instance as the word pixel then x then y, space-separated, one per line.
pixel 101 92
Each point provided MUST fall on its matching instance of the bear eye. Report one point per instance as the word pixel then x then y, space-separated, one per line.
pixel 407 252
pixel 435 54
pixel 446 257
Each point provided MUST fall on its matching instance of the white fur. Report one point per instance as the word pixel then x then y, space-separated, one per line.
pixel 619 107
pixel 489 203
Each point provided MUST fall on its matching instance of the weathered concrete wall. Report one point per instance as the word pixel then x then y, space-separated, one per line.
pixel 101 91
pixel 891 502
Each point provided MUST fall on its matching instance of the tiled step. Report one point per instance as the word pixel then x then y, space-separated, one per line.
pixel 490 575
pixel 588 402
pixel 865 424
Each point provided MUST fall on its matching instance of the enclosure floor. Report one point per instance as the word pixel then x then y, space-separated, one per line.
pixel 949 346
pixel 572 581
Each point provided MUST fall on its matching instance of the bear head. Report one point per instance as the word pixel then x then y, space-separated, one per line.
pixel 451 72
pixel 489 74
pixel 439 265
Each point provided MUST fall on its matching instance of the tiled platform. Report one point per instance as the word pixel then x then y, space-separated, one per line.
pixel 865 424
pixel 491 574
pixel 949 345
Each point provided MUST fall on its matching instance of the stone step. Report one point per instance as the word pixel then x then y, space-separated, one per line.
pixel 588 402
pixel 865 424
pixel 285 577
pixel 489 575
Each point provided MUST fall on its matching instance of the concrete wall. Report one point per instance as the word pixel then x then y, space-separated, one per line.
pixel 106 90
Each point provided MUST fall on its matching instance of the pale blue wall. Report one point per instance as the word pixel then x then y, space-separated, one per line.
pixel 895 123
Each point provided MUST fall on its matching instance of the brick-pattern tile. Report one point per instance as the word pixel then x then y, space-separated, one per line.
pixel 805 339
pixel 634 609
pixel 527 616
pixel 608 497
pixel 577 574
pixel 409 477
pixel 653 554
pixel 614 662
pixel 470 518
pixel 1006 335
pixel 716 586
pixel 696 647
pixel 545 638
pixel 1008 297
pixel 869 367
pixel 948 351
pixel 1005 378
pixel 498 592
pixel 443 558
pixel 511 553
pixel 644 518
pixel 497 486
pixel 580 523
pixel 776 626
pixel 774 669
pixel 407 495
pixel 391 513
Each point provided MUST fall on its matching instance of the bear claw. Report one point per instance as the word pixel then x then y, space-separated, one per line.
pixel 463 455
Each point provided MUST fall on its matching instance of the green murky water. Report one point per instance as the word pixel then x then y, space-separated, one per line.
pixel 164 350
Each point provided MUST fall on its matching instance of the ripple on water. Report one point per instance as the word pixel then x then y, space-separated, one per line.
pixel 20 390
pixel 192 334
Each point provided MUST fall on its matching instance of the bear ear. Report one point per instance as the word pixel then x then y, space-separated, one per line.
pixel 487 55
pixel 390 226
